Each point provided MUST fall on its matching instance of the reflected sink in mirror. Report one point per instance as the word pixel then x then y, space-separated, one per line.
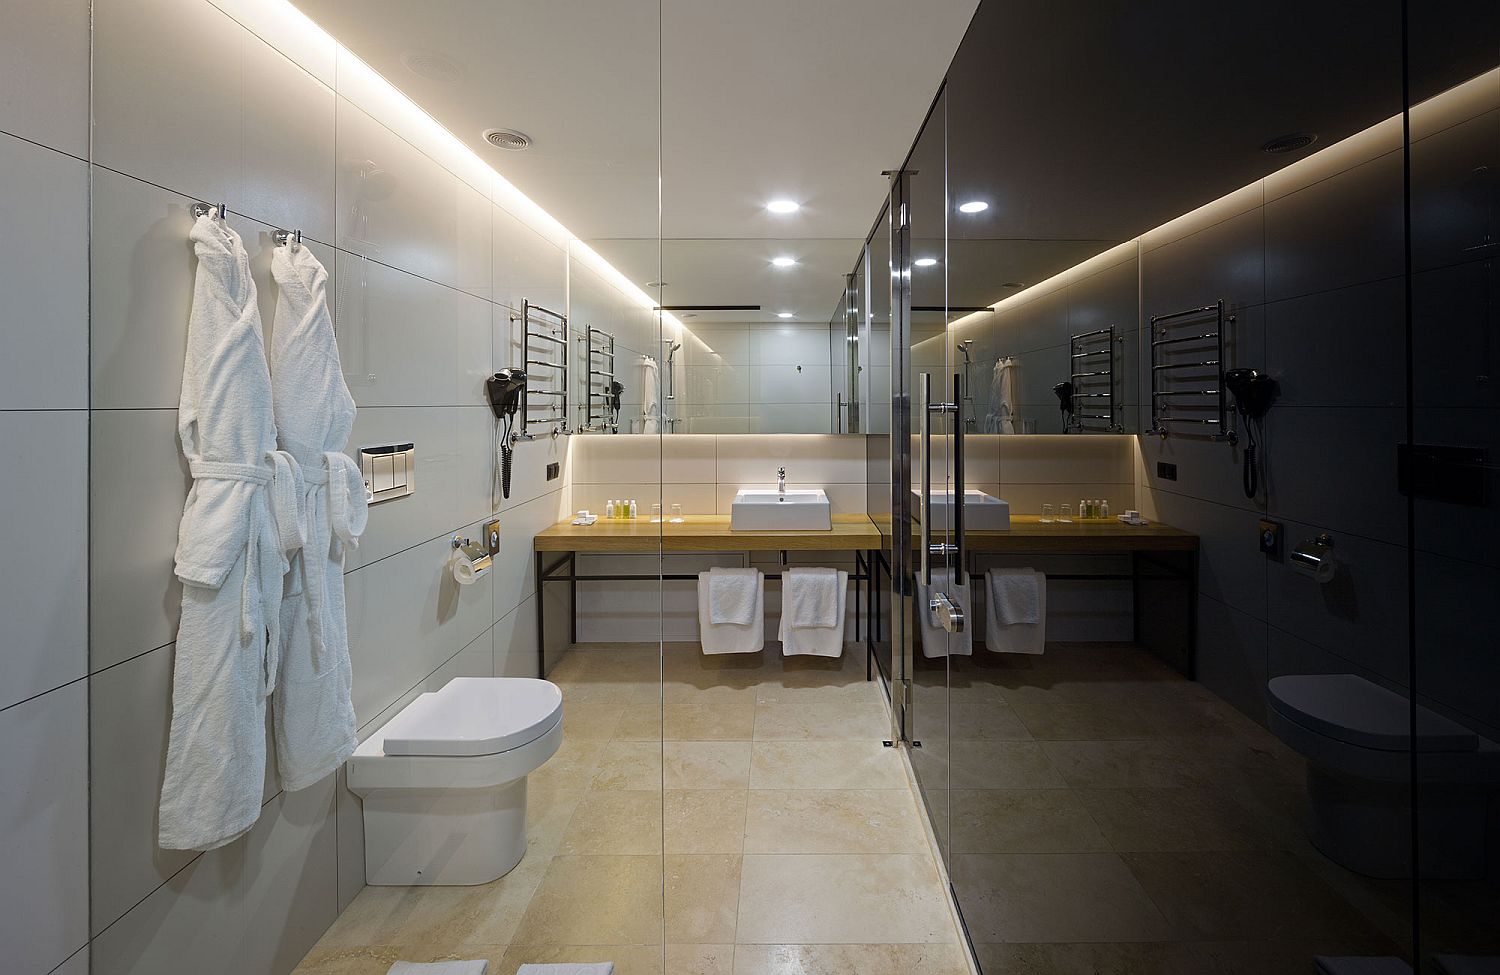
pixel 982 512
pixel 769 510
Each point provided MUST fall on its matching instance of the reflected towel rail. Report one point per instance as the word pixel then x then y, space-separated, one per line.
pixel 1095 380
pixel 536 327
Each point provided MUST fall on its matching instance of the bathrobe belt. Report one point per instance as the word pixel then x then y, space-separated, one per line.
pixel 329 529
pixel 281 514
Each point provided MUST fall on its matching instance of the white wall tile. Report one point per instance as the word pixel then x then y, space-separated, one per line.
pixel 350 840
pixel 44 81
pixel 43 584
pixel 43 263
pixel 44 829
pixel 454 459
pixel 129 709
pixel 696 499
pixel 780 383
pixel 395 204
pixel 143 272
pixel 514 574
pixel 406 617
pixel 77 964
pixel 169 113
pixel 514 637
pixel 1052 460
pixel 137 488
pixel 644 458
pixel 807 459
pixel 407 341
pixel 525 265
pixel 806 345
pixel 285 29
pixel 289 161
pixel 776 418
pixel 287 896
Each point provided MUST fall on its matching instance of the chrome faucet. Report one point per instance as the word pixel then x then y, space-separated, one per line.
pixel 781 482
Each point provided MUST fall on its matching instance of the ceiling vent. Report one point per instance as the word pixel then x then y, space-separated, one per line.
pixel 1289 143
pixel 434 66
pixel 508 139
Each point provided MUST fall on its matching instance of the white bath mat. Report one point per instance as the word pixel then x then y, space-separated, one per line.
pixel 440 968
pixel 599 968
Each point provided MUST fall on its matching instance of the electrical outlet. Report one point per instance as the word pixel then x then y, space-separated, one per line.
pixel 1165 471
pixel 1270 538
pixel 554 471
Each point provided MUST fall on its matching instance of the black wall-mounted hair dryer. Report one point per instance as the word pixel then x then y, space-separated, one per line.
pixel 1253 394
pixel 1064 393
pixel 505 390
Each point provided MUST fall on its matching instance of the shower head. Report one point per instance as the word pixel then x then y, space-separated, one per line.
pixel 964 348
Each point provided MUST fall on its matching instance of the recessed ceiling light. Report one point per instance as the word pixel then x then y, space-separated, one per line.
pixel 783 206
pixel 925 261
pixel 786 314
pixel 430 64
pixel 784 261
pixel 973 206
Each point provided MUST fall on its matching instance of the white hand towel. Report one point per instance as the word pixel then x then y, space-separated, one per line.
pixel 441 968
pixel 1030 638
pixel 815 641
pixel 731 637
pixel 936 641
pixel 733 595
pixel 239 528
pixel 600 968
pixel 1014 595
pixel 314 706
pixel 810 596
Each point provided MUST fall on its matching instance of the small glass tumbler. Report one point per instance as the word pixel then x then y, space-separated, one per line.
pixel 1065 514
pixel 677 518
pixel 656 513
pixel 1046 514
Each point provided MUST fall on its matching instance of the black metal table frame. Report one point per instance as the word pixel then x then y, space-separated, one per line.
pixel 544 574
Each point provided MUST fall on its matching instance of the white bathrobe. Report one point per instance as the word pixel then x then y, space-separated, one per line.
pixel 238 530
pixel 313 704
pixel 1002 413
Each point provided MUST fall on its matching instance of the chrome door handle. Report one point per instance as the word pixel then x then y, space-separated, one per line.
pixel 924 458
pixel 960 569
pixel 950 615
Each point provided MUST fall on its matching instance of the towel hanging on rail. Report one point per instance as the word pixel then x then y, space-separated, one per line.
pixel 650 402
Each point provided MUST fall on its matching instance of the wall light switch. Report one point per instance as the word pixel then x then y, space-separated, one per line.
pixel 554 471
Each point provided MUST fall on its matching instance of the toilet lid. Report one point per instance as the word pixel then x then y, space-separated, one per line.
pixel 1352 709
pixel 475 716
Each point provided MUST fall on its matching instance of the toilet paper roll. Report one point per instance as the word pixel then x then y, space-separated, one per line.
pixel 465 572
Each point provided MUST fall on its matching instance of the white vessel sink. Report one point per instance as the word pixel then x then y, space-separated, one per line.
pixel 768 510
pixel 982 513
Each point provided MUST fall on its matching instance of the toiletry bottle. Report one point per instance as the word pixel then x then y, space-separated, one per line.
pixel 1083 509
pixel 1104 508
pixel 609 508
pixel 633 509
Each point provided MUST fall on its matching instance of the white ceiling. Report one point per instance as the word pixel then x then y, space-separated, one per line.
pixel 750 100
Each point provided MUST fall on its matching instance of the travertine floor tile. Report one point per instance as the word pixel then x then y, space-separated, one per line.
pixel 595 900
pixel 628 959
pixel 700 960
pixel 832 821
pixel 1166 820
pixel 702 894
pixel 870 899
pixel 1157 764
pixel 1002 765
pixel 721 721
pixel 439 917
pixel 1022 821
pixel 619 822
pixel 705 821
pixel 697 765
pixel 879 959
pixel 1054 897
pixel 629 765
pixel 825 765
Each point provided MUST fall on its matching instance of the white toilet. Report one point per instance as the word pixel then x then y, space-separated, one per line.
pixel 1356 737
pixel 444 781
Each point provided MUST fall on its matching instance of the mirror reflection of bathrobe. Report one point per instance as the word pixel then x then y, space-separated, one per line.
pixel 313 703
pixel 240 524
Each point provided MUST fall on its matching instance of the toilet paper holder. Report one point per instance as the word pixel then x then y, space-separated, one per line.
pixel 476 555
pixel 1315 558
